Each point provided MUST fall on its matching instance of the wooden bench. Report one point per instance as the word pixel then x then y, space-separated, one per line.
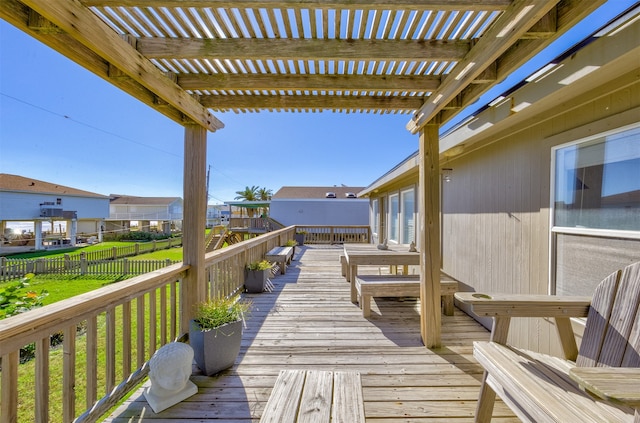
pixel 598 383
pixel 281 255
pixel 369 286
pixel 315 396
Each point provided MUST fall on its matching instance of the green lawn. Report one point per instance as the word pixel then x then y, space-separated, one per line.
pixel 61 287
pixel 73 250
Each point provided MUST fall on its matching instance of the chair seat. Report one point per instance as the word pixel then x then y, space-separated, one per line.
pixel 542 382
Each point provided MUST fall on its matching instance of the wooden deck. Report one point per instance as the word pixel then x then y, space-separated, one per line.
pixel 308 322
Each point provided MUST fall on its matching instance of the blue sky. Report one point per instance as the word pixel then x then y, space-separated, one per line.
pixel 62 124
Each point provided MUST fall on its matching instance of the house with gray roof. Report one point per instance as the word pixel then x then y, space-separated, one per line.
pixel 328 205
pixel 27 201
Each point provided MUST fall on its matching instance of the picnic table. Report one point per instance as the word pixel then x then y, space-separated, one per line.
pixel 369 254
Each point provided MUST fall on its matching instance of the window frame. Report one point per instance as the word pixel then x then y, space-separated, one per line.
pixel 556 230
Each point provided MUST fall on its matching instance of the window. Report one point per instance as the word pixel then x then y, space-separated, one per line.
pixel 408 216
pixel 596 209
pixel 375 217
pixel 597 183
pixel 394 216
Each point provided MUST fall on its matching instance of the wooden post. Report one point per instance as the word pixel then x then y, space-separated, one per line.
pixel 195 158
pixel 429 233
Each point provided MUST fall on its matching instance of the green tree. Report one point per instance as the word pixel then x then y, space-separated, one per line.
pixel 264 194
pixel 249 194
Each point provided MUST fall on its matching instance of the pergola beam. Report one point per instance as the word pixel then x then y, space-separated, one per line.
pixel 225 81
pixel 302 49
pixel 566 15
pixel 86 32
pixel 511 26
pixel 235 102
pixel 315 4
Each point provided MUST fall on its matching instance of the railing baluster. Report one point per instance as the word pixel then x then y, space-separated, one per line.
pixel 92 361
pixel 9 398
pixel 110 349
pixel 126 338
pixel 153 322
pixel 163 315
pixel 69 374
pixel 140 331
pixel 42 380
pixel 174 311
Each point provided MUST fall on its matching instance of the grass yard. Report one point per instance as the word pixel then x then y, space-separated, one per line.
pixel 73 250
pixel 61 287
pixel 26 371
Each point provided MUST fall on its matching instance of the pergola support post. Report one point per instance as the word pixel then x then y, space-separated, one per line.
pixel 194 214
pixel 429 233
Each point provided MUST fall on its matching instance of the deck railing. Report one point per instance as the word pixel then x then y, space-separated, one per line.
pixel 316 234
pixel 128 321
pixel 108 336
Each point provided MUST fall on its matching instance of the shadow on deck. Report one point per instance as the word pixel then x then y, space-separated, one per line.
pixel 308 322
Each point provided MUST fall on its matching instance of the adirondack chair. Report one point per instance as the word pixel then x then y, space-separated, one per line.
pixel 598 383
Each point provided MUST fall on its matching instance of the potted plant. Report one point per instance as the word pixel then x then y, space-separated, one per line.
pixel 215 333
pixel 292 243
pixel 299 237
pixel 256 275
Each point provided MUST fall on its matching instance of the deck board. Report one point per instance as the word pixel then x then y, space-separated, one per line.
pixel 309 322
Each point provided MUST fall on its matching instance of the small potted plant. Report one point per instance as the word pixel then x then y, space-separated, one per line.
pixel 256 275
pixel 215 333
pixel 292 243
pixel 299 237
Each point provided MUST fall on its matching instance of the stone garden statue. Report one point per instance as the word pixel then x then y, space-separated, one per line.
pixel 169 371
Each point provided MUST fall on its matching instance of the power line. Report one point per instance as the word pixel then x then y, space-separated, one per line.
pixel 113 134
pixel 95 128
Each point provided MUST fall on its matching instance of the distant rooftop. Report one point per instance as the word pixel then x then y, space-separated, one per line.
pixel 142 201
pixel 18 183
pixel 315 192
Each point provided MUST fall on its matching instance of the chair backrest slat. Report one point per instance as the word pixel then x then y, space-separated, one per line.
pixel 612 336
pixel 632 354
pixel 598 321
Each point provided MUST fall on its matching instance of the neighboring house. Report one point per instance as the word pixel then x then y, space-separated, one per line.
pixel 164 212
pixel 29 200
pixel 319 206
pixel 539 189
pixel 217 214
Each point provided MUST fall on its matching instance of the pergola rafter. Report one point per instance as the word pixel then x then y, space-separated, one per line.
pixel 225 81
pixel 304 49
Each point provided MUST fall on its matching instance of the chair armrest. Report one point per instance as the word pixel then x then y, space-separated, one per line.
pixel 619 385
pixel 518 305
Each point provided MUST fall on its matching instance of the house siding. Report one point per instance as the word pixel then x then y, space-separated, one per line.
pixel 26 206
pixel 332 211
pixel 495 209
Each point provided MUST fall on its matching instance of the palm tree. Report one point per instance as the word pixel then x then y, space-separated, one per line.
pixel 264 194
pixel 249 194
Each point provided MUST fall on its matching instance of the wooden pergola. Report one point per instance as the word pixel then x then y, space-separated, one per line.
pixel 187 59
